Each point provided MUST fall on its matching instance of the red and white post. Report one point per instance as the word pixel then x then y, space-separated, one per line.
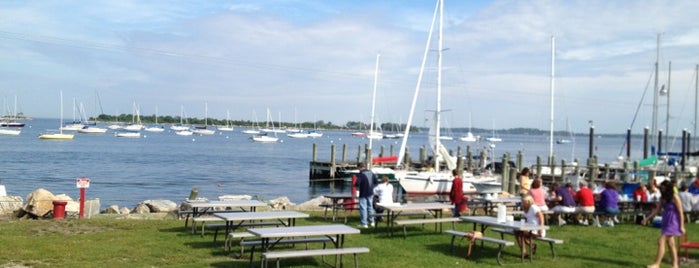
pixel 82 184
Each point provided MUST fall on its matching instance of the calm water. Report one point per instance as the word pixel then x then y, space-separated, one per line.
pixel 126 171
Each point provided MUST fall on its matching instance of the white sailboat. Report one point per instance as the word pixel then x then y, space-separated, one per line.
pixel 60 135
pixel 203 130
pixel 469 137
pixel 434 180
pixel 156 127
pixel 11 127
pixel 228 126
pixel 89 128
pixel 181 126
pixel 269 125
pixel 92 130
pixel 493 138
pixel 135 120
pixel 255 130
pixel 76 124
pixel 10 131
pixel 266 138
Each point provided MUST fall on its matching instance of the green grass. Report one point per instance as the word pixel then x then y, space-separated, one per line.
pixel 109 242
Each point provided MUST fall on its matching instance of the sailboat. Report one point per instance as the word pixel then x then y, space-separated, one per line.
pixel 135 120
pixel 493 138
pixel 255 130
pixel 11 127
pixel 433 180
pixel 156 127
pixel 296 132
pixel 564 140
pixel 90 128
pixel 469 137
pixel 228 126
pixel 181 126
pixel 60 135
pixel 203 130
pixel 76 124
pixel 266 138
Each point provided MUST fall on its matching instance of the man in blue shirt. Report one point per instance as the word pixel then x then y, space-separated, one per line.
pixel 366 180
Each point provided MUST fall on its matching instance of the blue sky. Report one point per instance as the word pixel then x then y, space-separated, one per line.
pixel 314 60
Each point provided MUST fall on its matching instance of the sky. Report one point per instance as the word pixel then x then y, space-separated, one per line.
pixel 309 60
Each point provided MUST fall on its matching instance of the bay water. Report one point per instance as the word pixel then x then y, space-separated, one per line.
pixel 126 171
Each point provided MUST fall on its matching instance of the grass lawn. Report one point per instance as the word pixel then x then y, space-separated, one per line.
pixel 109 242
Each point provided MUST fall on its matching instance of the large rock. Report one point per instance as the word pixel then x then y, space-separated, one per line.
pixel 161 205
pixel 113 209
pixel 9 204
pixel 141 209
pixel 39 202
pixel 313 204
pixel 280 203
pixel 124 210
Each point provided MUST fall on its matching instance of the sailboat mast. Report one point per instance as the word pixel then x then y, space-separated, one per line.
pixel 553 62
pixel 408 125
pixel 696 99
pixel 667 111
pixel 373 104
pixel 60 124
pixel 437 117
pixel 654 127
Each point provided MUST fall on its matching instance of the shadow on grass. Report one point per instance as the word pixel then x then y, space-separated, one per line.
pixel 175 230
pixel 613 262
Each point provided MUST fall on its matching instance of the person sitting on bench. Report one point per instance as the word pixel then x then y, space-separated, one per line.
pixel 533 215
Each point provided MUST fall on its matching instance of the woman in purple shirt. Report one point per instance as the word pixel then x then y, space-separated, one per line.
pixel 609 202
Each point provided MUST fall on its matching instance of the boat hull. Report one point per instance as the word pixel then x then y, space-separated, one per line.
pixel 431 183
pixel 56 136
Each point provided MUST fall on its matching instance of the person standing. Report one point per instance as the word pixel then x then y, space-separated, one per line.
pixel 365 186
pixel 672 224
pixel 456 194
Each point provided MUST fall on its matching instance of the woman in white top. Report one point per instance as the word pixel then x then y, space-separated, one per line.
pixel 653 192
pixel 383 193
pixel 533 215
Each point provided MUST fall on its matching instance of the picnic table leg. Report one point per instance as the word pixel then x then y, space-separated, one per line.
pixel 499 259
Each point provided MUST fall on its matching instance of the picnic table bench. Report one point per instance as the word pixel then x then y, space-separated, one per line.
pixel 550 241
pixel 277 255
pixel 271 237
pixel 284 241
pixel 500 242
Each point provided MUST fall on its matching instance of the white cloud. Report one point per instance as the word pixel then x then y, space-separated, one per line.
pixel 316 56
